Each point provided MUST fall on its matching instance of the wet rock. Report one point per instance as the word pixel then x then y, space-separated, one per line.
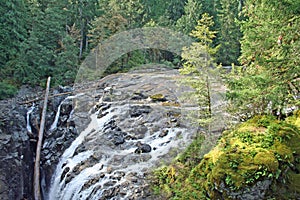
pixel 110 183
pixel 91 182
pixel 101 114
pixel 139 132
pixel 118 175
pixel 109 169
pixel 108 194
pixel 114 133
pixel 118 140
pixel 257 191
pixel 163 133
pixel 66 108
pixel 66 170
pixel 16 152
pixel 138 96
pixel 111 124
pixel 136 111
pixel 102 106
pixel 143 148
pixel 69 177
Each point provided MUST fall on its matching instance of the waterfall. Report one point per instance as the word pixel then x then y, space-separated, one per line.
pixel 54 124
pixel 28 126
pixel 69 161
pixel 125 139
pixel 102 166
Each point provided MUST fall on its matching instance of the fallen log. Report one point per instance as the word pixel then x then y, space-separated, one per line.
pixel 36 174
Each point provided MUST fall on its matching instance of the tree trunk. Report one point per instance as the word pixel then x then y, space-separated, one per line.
pixel 36 178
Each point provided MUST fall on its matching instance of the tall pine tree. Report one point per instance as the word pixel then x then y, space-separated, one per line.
pixel 192 13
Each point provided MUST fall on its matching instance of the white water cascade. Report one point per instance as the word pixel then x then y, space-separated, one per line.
pixel 104 167
pixel 28 126
pixel 54 124
pixel 126 138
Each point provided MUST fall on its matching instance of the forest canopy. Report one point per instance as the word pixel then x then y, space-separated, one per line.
pixel 52 38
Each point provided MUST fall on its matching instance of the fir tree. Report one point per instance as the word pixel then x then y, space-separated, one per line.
pixel 229 34
pixel 197 66
pixel 192 13
pixel 269 81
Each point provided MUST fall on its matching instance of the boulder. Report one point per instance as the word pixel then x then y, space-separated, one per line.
pixel 143 148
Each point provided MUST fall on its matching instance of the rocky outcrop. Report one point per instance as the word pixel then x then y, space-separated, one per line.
pixel 141 122
pixel 16 157
pixel 18 144
pixel 134 127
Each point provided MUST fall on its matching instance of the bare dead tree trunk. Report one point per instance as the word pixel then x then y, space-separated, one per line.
pixel 36 176
pixel 81 33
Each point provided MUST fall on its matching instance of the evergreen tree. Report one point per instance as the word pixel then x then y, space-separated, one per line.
pixel 13 31
pixel 175 9
pixel 229 34
pixel 269 81
pixel 50 39
pixel 197 65
pixel 154 10
pixel 192 13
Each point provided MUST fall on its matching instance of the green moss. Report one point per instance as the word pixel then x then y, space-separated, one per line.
pixel 158 97
pixel 261 149
pixel 294 180
pixel 295 119
pixel 267 159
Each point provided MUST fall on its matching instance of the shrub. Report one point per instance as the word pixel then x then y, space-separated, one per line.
pixel 7 90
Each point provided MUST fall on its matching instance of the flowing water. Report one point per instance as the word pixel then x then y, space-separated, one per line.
pixel 128 135
pixel 28 126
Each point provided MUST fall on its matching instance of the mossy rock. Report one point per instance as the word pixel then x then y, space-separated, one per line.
pixel 158 97
pixel 258 159
pixel 267 159
pixel 295 119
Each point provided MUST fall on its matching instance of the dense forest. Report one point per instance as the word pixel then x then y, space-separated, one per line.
pixel 51 38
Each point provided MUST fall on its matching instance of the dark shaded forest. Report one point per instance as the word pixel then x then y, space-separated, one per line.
pixel 51 38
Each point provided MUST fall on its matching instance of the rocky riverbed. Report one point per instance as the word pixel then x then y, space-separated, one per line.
pixel 101 141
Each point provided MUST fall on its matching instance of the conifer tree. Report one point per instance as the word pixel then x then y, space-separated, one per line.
pixel 197 65
pixel 192 13
pixel 229 34
pixel 269 80
pixel 13 31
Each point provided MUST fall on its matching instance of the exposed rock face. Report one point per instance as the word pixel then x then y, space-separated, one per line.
pixel 137 132
pixel 18 144
pixel 129 133
pixel 16 157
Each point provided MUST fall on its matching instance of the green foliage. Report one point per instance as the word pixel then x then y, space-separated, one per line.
pixel 13 31
pixel 51 38
pixel 262 148
pixel 197 61
pixel 229 32
pixel 7 90
pixel 192 12
pixel 169 181
pixel 269 81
